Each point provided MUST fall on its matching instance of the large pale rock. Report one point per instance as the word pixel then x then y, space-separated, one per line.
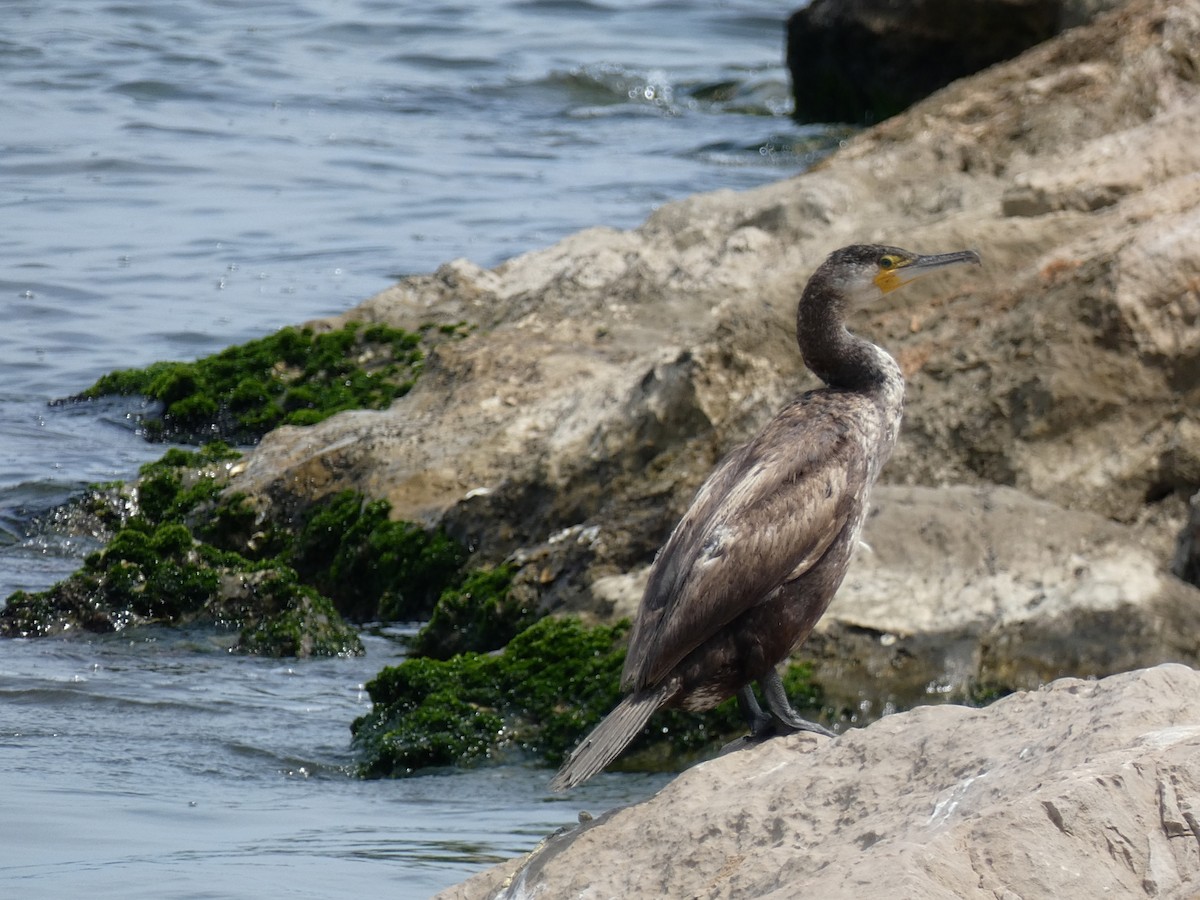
pixel 1080 789
pixel 961 592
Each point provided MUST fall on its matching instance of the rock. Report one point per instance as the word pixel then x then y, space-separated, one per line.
pixel 605 375
pixel 1116 166
pixel 476 707
pixel 1187 552
pixel 865 60
pixel 1079 789
pixel 962 593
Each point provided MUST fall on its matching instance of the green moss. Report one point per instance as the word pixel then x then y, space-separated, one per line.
pixel 437 720
pixel 479 615
pixel 161 575
pixel 563 677
pixel 297 376
pixel 232 524
pixel 180 543
pixel 474 706
pixel 551 685
pixel 146 574
pixel 173 487
pixel 154 570
pixel 30 615
pixel 294 620
pixel 151 573
pixel 372 567
pixel 179 540
pixel 983 693
pixel 179 537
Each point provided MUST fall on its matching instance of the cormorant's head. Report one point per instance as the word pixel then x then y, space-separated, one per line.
pixel 863 271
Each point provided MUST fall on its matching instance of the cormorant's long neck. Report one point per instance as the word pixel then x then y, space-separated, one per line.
pixel 838 357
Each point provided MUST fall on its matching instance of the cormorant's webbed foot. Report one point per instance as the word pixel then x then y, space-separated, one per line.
pixel 786 719
pixel 781 719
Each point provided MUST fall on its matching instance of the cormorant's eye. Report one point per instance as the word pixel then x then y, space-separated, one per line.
pixel 888 262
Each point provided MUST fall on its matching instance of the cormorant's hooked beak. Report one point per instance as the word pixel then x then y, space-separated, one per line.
pixel 905 270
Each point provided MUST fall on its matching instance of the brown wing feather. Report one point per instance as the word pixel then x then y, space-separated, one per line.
pixel 764 517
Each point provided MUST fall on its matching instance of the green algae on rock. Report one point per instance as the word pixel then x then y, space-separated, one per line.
pixel 371 566
pixel 530 698
pixel 479 615
pixel 297 376
pixel 293 619
pixel 162 576
pixel 154 571
pixel 171 488
pixel 539 696
pixel 183 549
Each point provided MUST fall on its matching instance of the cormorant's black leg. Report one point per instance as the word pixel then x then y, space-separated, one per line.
pixel 761 724
pixel 786 719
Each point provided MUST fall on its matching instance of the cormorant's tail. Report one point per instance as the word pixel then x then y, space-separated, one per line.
pixel 609 738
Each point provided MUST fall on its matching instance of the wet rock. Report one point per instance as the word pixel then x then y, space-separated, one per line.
pixel 1079 789
pixel 475 707
pixel 1186 564
pixel 177 552
pixel 533 699
pixel 866 60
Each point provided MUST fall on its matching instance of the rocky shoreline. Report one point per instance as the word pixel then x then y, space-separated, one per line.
pixel 605 375
pixel 1037 497
pixel 1028 523
pixel 1079 789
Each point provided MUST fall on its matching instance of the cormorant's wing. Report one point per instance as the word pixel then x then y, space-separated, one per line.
pixel 764 517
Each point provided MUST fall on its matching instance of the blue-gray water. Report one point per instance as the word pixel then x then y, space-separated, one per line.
pixel 177 177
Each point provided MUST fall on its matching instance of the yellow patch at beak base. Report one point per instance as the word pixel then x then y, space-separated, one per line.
pixel 889 279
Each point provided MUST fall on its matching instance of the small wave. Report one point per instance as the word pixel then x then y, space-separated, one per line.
pixel 363 34
pixel 289 764
pixel 64 298
pixel 799 149
pixel 594 90
pixel 439 62
pixel 154 89
pixel 22 503
pixel 181 131
pixel 106 165
pixel 77 691
pixel 569 7
pixel 618 84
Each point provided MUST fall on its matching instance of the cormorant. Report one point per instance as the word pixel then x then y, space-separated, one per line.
pixel 755 561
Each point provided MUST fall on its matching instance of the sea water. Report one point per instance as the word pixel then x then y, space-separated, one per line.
pixel 178 177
